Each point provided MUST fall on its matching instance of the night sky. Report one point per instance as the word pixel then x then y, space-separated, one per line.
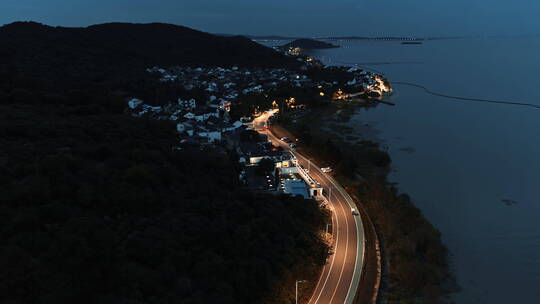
pixel 294 17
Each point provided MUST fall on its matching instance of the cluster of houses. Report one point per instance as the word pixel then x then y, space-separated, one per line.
pixel 198 124
pixel 285 174
pixel 363 83
pixel 230 82
pixel 204 120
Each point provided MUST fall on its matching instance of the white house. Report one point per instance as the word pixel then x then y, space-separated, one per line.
pixel 205 115
pixel 149 108
pixel 212 136
pixel 180 127
pixel 237 124
pixel 225 105
pixel 187 104
pixel 134 102
pixel 229 84
pixel 168 77
pixel 200 117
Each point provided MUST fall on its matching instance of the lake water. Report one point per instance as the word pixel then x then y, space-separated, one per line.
pixel 472 168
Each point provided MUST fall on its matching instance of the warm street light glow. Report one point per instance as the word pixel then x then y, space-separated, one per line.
pixel 321 93
pixel 380 86
pixel 290 102
pixel 339 94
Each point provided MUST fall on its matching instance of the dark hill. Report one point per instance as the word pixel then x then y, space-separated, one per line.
pixel 309 44
pixel 143 44
pixel 99 207
pixel 111 54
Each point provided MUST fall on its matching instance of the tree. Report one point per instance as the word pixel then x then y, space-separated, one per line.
pixel 347 167
pixel 266 167
pixel 99 209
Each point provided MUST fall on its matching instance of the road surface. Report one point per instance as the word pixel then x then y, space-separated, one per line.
pixel 341 274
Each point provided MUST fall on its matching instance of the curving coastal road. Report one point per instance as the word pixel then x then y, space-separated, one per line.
pixel 341 274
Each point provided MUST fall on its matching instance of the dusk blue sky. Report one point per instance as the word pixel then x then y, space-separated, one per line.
pixel 294 17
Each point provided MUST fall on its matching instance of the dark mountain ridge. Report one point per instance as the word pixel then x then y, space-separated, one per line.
pixel 104 64
pixel 101 207
pixel 153 43
pixel 113 54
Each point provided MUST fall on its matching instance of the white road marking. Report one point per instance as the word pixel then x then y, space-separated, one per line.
pixel 355 278
pixel 337 237
pixel 352 287
pixel 333 259
pixel 346 251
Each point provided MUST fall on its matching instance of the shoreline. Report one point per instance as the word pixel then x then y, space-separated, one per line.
pixel 367 290
pixel 362 188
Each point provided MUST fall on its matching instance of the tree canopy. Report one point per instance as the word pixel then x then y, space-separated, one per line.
pixel 99 208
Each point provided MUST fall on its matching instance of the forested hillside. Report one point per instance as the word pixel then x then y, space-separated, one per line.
pixel 99 207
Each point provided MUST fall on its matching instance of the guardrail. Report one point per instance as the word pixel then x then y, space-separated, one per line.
pixel 305 175
pixel 378 253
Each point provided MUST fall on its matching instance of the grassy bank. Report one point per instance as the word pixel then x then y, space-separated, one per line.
pixel 415 261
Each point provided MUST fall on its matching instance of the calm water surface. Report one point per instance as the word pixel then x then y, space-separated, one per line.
pixel 473 168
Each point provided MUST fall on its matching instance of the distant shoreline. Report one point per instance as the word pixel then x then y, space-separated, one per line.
pixel 390 38
pixel 341 38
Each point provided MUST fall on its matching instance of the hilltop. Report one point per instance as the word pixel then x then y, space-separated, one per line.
pixel 142 44
pixel 309 44
pixel 115 53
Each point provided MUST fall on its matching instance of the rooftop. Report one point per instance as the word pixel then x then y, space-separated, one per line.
pixel 296 187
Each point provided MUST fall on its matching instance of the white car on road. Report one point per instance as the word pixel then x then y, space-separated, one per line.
pixel 326 169
pixel 286 139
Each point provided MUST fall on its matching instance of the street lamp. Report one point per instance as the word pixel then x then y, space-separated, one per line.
pixel 298 281
pixel 327 227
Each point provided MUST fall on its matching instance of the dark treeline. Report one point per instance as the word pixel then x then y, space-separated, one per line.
pixel 99 207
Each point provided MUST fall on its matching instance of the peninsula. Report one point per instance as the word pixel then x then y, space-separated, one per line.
pixel 141 165
pixel 309 44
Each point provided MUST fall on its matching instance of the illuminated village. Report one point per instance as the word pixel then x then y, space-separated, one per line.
pixel 205 117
